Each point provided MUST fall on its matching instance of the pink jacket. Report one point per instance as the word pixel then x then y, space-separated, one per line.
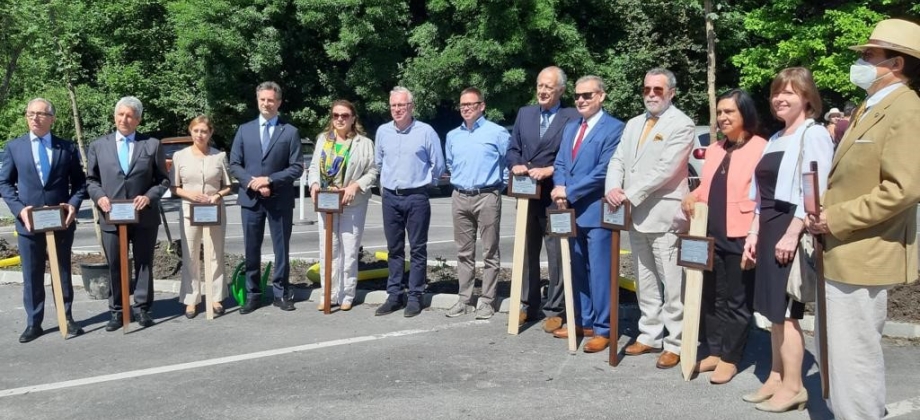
pixel 739 209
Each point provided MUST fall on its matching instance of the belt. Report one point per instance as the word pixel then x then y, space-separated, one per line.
pixel 477 191
pixel 407 191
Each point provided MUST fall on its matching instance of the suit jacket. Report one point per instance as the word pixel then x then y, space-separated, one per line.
pixel 872 194
pixel 361 167
pixel 20 183
pixel 146 175
pixel 739 207
pixel 655 176
pixel 282 163
pixel 528 148
pixel 583 177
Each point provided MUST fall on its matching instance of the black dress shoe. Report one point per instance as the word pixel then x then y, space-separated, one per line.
pixel 284 304
pixel 219 310
pixel 114 323
pixel 251 305
pixel 412 309
pixel 191 314
pixel 30 334
pixel 144 319
pixel 73 329
pixel 388 307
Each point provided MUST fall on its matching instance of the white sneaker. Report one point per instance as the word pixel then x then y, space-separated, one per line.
pixel 484 311
pixel 459 308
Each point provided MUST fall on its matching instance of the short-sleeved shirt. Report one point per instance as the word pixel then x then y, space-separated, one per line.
pixel 203 174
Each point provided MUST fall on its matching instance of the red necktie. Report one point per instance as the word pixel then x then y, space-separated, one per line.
pixel 581 136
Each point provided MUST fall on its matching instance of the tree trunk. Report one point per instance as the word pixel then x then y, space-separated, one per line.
pixel 10 69
pixel 710 68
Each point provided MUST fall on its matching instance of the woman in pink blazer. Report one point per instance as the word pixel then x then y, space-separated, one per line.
pixel 728 290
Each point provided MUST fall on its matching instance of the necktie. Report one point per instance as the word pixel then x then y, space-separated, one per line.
pixel 123 155
pixel 544 122
pixel 43 162
pixel 649 123
pixel 266 137
pixel 858 114
pixel 581 136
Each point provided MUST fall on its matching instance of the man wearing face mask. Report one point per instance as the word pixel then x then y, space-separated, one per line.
pixel 649 173
pixel 869 217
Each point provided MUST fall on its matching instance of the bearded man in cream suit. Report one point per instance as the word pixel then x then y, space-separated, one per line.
pixel 649 173
pixel 869 217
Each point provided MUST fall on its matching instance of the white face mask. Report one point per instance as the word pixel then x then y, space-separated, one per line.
pixel 862 73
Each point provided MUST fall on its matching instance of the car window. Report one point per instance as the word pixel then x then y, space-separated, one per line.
pixel 170 148
pixel 704 139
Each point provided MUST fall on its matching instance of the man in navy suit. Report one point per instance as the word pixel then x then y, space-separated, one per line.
pixel 127 165
pixel 40 169
pixel 266 159
pixel 532 151
pixel 580 172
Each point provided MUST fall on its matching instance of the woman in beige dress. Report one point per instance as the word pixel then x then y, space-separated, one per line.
pixel 200 175
pixel 344 160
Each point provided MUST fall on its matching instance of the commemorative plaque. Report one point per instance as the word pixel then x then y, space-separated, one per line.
pixel 615 218
pixel 122 212
pixel 523 186
pixel 47 218
pixel 561 222
pixel 328 201
pixel 695 252
pixel 205 214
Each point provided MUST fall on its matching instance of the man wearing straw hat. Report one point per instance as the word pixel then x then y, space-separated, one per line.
pixel 869 217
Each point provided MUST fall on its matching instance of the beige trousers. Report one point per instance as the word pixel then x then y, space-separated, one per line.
pixel 213 261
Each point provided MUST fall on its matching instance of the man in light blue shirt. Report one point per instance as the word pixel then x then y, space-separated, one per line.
pixel 408 153
pixel 475 154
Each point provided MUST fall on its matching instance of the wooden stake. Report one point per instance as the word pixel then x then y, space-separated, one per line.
pixel 327 272
pixel 519 263
pixel 693 294
pixel 125 286
pixel 613 359
pixel 56 283
pixel 569 296
pixel 208 281
pixel 821 303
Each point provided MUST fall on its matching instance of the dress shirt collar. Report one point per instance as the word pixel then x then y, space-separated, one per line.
pixel 46 139
pixel 408 127
pixel 594 119
pixel 881 94
pixel 272 122
pixel 552 110
pixel 120 137
pixel 476 124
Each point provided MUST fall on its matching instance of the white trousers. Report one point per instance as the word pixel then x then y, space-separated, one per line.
pixel 213 239
pixel 347 229
pixel 856 318
pixel 660 282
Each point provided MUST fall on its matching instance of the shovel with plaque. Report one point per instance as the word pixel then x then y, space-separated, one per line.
pixel 615 219
pixel 49 219
pixel 523 187
pixel 695 253
pixel 206 215
pixel 123 214
pixel 562 224
pixel 328 202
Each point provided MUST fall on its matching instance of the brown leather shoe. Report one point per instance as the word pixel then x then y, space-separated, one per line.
pixel 579 332
pixel 597 344
pixel 638 348
pixel 667 360
pixel 522 318
pixel 552 323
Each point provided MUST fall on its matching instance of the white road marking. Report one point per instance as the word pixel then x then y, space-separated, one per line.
pixel 224 360
pixel 901 408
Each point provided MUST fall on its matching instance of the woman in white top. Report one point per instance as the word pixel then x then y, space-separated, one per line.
pixel 343 160
pixel 199 175
pixel 778 224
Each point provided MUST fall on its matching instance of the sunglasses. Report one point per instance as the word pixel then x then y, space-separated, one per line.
pixel 337 116
pixel 584 95
pixel 659 91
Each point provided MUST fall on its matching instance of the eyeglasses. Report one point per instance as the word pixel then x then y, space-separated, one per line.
pixel 39 115
pixel 659 91
pixel 337 116
pixel 400 106
pixel 584 95
pixel 469 105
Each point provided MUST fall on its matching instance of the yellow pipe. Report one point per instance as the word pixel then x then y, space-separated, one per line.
pixel 377 273
pixel 11 261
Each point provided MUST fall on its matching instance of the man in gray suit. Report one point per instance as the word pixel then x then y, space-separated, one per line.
pixel 649 171
pixel 266 159
pixel 127 165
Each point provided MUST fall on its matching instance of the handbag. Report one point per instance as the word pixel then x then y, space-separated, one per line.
pixel 803 275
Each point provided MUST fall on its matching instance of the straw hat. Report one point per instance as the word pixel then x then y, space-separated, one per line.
pixel 896 35
pixel 831 113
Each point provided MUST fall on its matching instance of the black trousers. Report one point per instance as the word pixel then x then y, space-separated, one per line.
pixel 142 241
pixel 536 238
pixel 34 253
pixel 727 306
pixel 280 225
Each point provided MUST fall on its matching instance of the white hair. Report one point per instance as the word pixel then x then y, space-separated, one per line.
pixel 133 103
pixel 47 103
pixel 400 89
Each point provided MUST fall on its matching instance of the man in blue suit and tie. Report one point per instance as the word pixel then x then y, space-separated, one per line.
pixel 266 159
pixel 579 174
pixel 40 169
pixel 532 151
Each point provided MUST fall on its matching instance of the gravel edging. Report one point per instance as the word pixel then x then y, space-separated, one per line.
pixel 444 301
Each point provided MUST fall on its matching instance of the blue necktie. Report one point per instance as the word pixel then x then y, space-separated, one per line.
pixel 266 137
pixel 43 162
pixel 123 156
pixel 544 122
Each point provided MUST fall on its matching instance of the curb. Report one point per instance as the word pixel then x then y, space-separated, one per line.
pixel 444 301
